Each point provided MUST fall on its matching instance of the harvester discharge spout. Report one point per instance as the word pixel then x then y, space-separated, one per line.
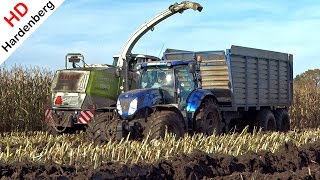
pixel 134 38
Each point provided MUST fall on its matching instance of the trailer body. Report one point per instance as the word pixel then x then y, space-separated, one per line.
pixel 246 78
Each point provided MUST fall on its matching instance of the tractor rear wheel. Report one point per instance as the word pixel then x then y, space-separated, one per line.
pixel 266 120
pixel 282 120
pixel 208 119
pixel 161 122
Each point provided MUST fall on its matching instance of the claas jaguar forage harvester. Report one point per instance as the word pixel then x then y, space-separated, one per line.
pixel 87 93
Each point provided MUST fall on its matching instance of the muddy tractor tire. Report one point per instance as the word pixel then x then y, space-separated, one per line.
pixel 161 122
pixel 265 120
pixel 208 119
pixel 97 130
pixel 282 120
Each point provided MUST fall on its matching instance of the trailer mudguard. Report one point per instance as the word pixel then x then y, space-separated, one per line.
pixel 195 99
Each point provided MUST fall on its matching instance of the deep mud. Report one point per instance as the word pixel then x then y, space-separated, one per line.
pixel 289 163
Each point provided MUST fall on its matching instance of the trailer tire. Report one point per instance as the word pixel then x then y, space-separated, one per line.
pixel 164 121
pixel 266 120
pixel 282 120
pixel 96 130
pixel 208 119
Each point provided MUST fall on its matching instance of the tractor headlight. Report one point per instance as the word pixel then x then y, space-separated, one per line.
pixel 119 107
pixel 133 106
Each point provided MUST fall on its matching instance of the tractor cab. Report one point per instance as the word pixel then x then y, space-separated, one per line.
pixel 174 78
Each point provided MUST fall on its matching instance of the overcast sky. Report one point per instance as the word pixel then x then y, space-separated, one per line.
pixel 99 28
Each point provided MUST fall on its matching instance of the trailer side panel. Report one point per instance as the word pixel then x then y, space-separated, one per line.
pixel 260 78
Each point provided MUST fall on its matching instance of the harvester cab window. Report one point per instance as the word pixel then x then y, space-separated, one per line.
pixel 115 60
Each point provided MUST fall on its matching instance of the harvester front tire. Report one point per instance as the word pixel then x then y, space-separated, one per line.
pixel 161 122
pixel 282 120
pixel 266 120
pixel 96 130
pixel 51 131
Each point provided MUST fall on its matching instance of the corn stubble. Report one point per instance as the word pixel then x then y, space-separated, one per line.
pixel 39 147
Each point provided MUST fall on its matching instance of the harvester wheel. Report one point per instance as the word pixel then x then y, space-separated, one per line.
pixel 51 130
pixel 96 130
pixel 282 120
pixel 208 119
pixel 161 122
pixel 266 120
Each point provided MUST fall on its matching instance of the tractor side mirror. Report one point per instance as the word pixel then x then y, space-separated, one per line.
pixel 118 72
pixel 192 67
pixel 137 68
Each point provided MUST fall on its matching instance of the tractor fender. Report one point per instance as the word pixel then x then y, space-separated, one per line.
pixel 196 98
pixel 171 107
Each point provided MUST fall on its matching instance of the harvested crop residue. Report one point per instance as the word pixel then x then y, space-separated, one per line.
pixel 290 162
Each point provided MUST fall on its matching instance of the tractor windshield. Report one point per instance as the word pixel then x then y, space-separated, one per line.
pixel 159 77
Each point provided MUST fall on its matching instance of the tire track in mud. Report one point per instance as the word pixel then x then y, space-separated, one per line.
pixel 290 162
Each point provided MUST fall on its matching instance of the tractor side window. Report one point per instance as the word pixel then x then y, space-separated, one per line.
pixel 185 82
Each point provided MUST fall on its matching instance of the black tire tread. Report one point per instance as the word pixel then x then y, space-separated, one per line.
pixel 206 106
pixel 97 124
pixel 281 116
pixel 262 119
pixel 157 124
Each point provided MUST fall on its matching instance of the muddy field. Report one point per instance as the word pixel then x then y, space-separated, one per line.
pixel 290 162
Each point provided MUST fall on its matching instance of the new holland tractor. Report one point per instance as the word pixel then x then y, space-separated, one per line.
pixel 219 92
pixel 86 93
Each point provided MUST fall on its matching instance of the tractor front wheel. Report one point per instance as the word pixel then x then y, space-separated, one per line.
pixel 164 121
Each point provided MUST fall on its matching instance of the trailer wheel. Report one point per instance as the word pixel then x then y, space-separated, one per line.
pixel 208 119
pixel 161 122
pixel 266 120
pixel 282 120
pixel 97 128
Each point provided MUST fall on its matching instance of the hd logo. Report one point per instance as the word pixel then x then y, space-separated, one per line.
pixel 20 20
